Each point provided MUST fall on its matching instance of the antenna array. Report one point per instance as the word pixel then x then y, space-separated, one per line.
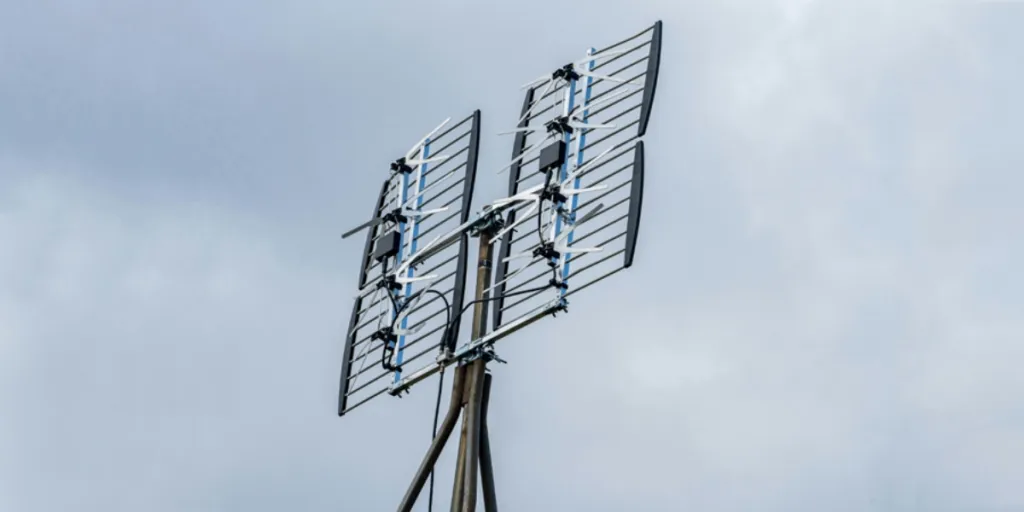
pixel 570 220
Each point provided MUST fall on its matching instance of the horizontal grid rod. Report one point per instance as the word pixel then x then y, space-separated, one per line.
pixel 460 181
pixel 371 380
pixel 602 108
pixel 527 298
pixel 519 272
pixel 616 132
pixel 364 400
pixel 599 81
pixel 439 224
pixel 438 166
pixel 441 149
pixel 431 270
pixel 451 128
pixel 593 264
pixel 427 318
pixel 602 228
pixel 615 87
pixel 622 55
pixel 426 335
pixel 595 281
pixel 624 41
pixel 611 191
pixel 616 117
pixel 616 172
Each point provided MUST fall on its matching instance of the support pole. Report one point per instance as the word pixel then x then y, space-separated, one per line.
pixel 486 467
pixel 467 465
pixel 460 461
pixel 472 420
pixel 470 390
pixel 427 466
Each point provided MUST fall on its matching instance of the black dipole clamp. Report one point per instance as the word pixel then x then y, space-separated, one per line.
pixel 566 72
pixel 387 334
pixel 395 216
pixel 559 124
pixel 389 282
pixel 553 193
pixel 562 306
pixel 547 250
pixel 400 166
pixel 558 284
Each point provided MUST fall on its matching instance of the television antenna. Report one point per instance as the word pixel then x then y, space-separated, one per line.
pixel 581 180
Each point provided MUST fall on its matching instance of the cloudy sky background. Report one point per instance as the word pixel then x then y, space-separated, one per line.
pixel 825 313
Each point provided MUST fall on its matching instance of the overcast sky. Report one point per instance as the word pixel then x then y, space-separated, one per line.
pixel 824 314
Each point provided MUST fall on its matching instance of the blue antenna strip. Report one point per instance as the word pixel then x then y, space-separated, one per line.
pixel 564 171
pixel 420 182
pixel 402 198
pixel 579 161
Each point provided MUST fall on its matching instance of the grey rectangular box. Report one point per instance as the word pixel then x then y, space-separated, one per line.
pixel 552 157
pixel 387 246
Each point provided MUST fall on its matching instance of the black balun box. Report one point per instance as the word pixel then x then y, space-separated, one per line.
pixel 552 157
pixel 387 246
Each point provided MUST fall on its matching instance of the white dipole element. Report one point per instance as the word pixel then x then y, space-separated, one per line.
pixel 567 99
pixel 600 55
pixel 607 97
pixel 609 78
pixel 421 161
pixel 407 309
pixel 514 273
pixel 531 196
pixel 438 243
pixel 414 214
pixel 579 170
pixel 419 145
pixel 402 274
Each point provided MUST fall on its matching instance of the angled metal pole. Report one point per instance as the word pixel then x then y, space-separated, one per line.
pixel 486 465
pixel 460 461
pixel 472 420
pixel 450 419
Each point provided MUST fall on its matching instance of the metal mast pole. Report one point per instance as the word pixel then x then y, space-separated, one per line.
pixel 467 466
pixel 470 394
